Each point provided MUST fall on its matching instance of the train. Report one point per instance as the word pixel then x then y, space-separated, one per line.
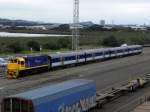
pixel 77 95
pixel 28 65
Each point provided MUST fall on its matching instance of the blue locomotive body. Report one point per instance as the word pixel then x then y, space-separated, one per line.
pixel 36 61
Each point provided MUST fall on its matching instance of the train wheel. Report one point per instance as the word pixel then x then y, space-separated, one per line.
pixel 9 75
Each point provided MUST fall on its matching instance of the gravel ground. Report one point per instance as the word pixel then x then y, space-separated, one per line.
pixel 106 74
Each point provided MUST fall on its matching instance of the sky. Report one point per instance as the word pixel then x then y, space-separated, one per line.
pixel 61 11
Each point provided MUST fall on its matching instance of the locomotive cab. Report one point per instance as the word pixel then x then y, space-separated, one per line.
pixel 15 66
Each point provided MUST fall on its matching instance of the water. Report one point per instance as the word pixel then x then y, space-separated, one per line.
pixel 6 34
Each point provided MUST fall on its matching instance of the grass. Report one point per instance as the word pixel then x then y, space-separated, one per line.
pixel 24 40
pixel 89 39
pixel 86 38
pixel 127 36
pixel 45 51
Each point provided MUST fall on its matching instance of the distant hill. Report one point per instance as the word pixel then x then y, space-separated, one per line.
pixel 17 22
pixel 33 23
pixel 24 24
pixel 87 24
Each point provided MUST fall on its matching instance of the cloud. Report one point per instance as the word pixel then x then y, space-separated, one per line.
pixel 122 11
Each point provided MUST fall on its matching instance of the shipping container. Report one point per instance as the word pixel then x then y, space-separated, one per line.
pixel 71 96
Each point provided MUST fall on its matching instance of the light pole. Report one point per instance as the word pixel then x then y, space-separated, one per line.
pixel 75 29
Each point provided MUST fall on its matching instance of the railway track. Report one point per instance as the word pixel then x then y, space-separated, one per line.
pixel 125 90
pixel 97 71
pixel 120 91
pixel 54 76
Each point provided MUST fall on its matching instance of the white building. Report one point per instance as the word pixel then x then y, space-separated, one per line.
pixel 102 22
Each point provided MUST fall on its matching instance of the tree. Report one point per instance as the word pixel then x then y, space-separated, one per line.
pixel 15 47
pixel 62 27
pixel 111 41
pixel 34 45
pixel 64 42
pixel 53 45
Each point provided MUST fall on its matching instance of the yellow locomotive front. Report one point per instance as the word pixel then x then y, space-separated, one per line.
pixel 14 66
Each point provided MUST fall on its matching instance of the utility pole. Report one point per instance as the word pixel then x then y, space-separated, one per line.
pixel 75 29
